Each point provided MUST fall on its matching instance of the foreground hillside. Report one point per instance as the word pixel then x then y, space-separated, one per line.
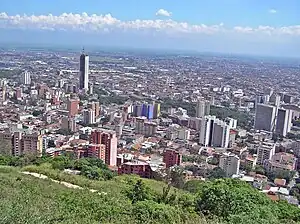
pixel 103 197
pixel 26 199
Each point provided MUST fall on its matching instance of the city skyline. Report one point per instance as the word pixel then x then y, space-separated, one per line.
pixel 268 28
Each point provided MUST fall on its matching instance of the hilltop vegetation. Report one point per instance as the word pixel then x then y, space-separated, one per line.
pixel 128 199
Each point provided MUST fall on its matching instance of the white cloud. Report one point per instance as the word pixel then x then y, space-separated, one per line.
pixel 163 12
pixel 272 11
pixel 108 23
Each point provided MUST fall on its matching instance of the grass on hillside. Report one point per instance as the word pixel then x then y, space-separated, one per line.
pixel 27 199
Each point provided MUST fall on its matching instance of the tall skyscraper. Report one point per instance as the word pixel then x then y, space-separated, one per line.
pixel 265 117
pixel 84 72
pixel 25 78
pixel 283 121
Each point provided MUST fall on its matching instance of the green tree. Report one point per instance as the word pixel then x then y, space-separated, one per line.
pixel 139 192
pixel 295 191
pixel 216 173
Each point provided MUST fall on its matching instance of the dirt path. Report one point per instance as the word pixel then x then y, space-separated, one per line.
pixel 66 184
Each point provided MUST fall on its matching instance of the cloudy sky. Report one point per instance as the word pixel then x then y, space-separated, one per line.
pixel 268 27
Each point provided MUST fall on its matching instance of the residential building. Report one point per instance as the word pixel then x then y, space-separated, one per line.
pixel 214 132
pixel 202 108
pixel 142 169
pixel 89 116
pixel 69 123
pixel 72 106
pixel 230 164
pixel 172 158
pixel 25 78
pixel 281 162
pixel 109 139
pixel 265 152
pixel 144 127
pixel 96 151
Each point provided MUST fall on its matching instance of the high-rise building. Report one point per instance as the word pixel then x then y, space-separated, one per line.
pixel 172 158
pixel 214 132
pixel 150 111
pixel 220 134
pixel 137 110
pixel 69 123
pixel 230 164
pixel 144 127
pixel 283 121
pixel 89 116
pixel 32 143
pixel 96 151
pixel 84 72
pixel 97 109
pixel 95 106
pixel 265 152
pixel 202 108
pixel 26 143
pixel 231 122
pixel 18 93
pixel 156 110
pixel 265 117
pixel 72 106
pixel 25 78
pixel 109 139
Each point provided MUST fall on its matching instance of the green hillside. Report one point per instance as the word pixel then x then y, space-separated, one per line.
pixel 26 199
pixel 126 199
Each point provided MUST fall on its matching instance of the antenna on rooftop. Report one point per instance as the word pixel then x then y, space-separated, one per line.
pixel 83 50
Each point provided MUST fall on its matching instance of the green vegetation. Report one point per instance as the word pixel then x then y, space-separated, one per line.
pixel 127 199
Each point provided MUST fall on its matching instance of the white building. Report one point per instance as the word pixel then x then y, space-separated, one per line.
pixel 214 132
pixel 265 152
pixel 25 78
pixel 231 122
pixel 230 163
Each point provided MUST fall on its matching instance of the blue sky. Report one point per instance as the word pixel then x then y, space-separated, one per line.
pixel 240 24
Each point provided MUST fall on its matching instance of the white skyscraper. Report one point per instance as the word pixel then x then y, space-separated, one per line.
pixel 25 78
pixel 230 163
pixel 84 72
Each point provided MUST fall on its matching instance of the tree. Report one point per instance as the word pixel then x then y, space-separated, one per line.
pixel 193 186
pixel 259 170
pixel 295 191
pixel 216 173
pixel 139 192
